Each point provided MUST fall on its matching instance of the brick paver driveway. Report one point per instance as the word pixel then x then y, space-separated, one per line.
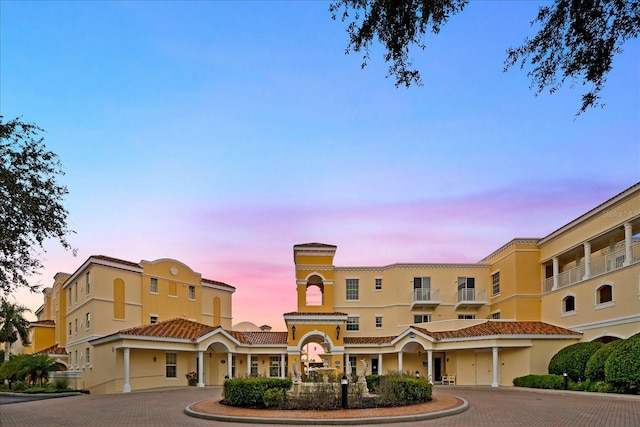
pixel 488 407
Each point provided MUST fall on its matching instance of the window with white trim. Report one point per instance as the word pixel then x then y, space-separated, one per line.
pixel 353 323
pixel 421 318
pixel 568 304
pixel 254 367
pixel 87 319
pixel 87 359
pixel 604 294
pixel 466 316
pixel 192 292
pixel 171 365
pixel 76 327
pixel 153 288
pixel 378 322
pixel 274 370
pixel 153 319
pixel 495 283
pixel 352 289
pixel 353 364
pixel 70 329
pixel 378 283
pixel 495 315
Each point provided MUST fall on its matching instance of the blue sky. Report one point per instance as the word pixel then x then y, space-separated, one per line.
pixel 223 133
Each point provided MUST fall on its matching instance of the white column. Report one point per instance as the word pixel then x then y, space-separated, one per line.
pixel 430 366
pixel 495 367
pixel 200 368
pixel 400 361
pixel 248 365
pixel 556 272
pixel 283 369
pixel 229 359
pixel 379 363
pixel 126 388
pixel 627 243
pixel 347 365
pixel 587 260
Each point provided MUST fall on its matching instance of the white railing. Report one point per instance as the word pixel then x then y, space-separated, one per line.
pixel 426 295
pixel 472 295
pixel 598 266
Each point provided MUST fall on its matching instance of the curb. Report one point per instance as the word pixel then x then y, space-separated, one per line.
pixel 330 421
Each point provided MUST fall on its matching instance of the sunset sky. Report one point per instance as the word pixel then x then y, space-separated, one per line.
pixel 223 133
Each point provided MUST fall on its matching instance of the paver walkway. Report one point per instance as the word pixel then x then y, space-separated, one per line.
pixel 488 406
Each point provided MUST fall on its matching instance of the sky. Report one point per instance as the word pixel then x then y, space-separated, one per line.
pixel 223 133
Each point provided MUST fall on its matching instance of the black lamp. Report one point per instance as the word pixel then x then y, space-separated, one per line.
pixel 338 332
pixel 293 332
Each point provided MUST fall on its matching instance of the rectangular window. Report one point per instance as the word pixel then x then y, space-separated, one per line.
pixel 70 329
pixel 378 284
pixel 173 289
pixel 154 286
pixel 495 315
pixel 422 283
pixel 77 360
pixel 76 328
pixel 378 322
pixel 353 323
pixel 75 286
pixel 88 283
pixel 353 364
pixel 466 289
pixel 421 318
pixel 466 316
pixel 254 367
pixel 352 289
pixel 275 367
pixel 87 359
pixel 192 292
pixel 153 319
pixel 69 295
pixel 495 283
pixel 87 320
pixel 171 366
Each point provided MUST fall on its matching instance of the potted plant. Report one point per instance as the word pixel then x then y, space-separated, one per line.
pixel 192 377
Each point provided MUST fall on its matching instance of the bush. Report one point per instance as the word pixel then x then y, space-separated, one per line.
pixel 250 392
pixel 622 368
pixel 594 370
pixel 37 389
pixel 61 384
pixel 399 391
pixel 274 398
pixel 324 397
pixel 373 381
pixel 554 382
pixel 573 359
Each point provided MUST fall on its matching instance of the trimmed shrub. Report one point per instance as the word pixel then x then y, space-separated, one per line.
pixel 622 368
pixel 594 370
pixel 274 398
pixel 398 391
pixel 250 392
pixel 555 382
pixel 373 382
pixel 573 359
pixel 61 384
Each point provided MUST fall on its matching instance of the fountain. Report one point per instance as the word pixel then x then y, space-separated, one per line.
pixel 327 370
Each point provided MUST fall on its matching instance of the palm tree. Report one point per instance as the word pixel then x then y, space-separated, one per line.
pixel 12 325
pixel 38 367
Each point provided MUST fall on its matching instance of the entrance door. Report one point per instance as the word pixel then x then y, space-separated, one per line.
pixel 437 368
pixel 374 366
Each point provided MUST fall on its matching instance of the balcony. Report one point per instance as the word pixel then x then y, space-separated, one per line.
pixel 425 297
pixel 471 297
pixel 598 266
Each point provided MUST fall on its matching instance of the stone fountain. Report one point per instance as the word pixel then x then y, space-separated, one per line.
pixel 327 370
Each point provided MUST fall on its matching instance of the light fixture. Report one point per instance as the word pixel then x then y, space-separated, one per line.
pixel 223 361
pixel 338 332
pixel 154 358
pixel 210 355
pixel 419 353
pixel 412 335
pixel 293 333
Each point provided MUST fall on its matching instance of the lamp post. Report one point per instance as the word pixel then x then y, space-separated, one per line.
pixel 345 390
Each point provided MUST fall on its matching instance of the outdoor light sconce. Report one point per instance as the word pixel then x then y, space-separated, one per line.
pixel 419 353
pixel 412 335
pixel 210 355
pixel 338 332
pixel 223 361
pixel 154 358
pixel 293 333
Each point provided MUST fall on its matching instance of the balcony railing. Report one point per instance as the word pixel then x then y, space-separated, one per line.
pixel 611 262
pixel 472 296
pixel 425 296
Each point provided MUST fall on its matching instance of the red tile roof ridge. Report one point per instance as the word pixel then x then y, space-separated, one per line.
pixel 115 260
pixel 314 313
pixel 54 349
pixel 43 323
pixel 216 282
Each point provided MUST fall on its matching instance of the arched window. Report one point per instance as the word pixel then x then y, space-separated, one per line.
pixel 604 294
pixel 315 291
pixel 569 304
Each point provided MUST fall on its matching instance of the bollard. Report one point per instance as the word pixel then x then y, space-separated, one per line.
pixel 345 391
pixel 566 381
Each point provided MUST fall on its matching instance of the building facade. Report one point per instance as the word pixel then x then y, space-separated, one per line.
pixel 118 326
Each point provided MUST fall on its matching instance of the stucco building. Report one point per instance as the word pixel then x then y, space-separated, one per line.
pixel 118 326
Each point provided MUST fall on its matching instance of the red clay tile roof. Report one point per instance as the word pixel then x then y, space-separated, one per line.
pixel 262 337
pixel 43 323
pixel 302 313
pixel 215 282
pixel 54 349
pixel 490 328
pixel 172 328
pixel 368 340
pixel 314 245
pixel 115 260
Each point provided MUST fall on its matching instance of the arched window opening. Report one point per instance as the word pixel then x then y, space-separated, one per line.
pixel 604 294
pixel 569 304
pixel 315 291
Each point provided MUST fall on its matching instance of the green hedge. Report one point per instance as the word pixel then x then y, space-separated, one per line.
pixel 573 359
pixel 373 382
pixel 555 382
pixel 251 392
pixel 622 368
pixel 396 391
pixel 594 369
